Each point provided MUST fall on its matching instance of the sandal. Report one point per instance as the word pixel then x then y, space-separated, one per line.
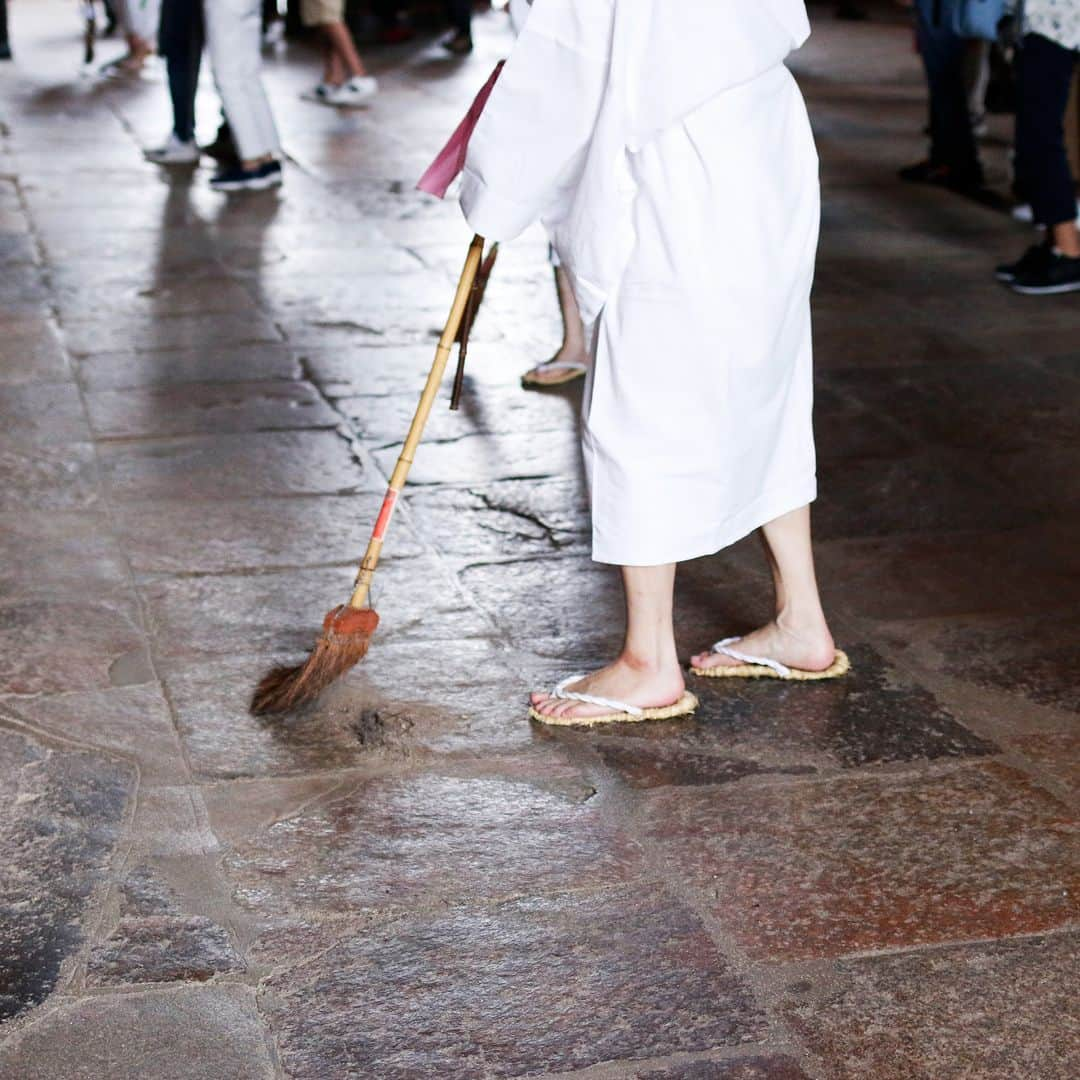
pixel 621 713
pixel 570 369
pixel 761 667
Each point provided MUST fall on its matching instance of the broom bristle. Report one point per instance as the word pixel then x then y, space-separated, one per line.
pixel 345 639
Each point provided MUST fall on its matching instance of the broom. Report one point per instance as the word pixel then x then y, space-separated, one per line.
pixel 347 630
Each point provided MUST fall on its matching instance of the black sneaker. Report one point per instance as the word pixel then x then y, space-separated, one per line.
pixel 237 178
pixel 1032 259
pixel 925 172
pixel 1056 274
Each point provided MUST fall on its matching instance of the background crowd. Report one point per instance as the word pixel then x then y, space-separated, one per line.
pixel 1022 61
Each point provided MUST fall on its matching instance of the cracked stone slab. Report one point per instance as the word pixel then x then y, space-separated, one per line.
pixel 534 986
pixel 235 466
pixel 175 1034
pixel 488 407
pixel 507 520
pixel 208 408
pixel 820 869
pixel 1004 1009
pixel 477 459
pixel 385 844
pixel 63 812
pixel 276 613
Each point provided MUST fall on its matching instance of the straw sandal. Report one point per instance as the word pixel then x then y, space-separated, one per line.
pixel 571 370
pixel 621 713
pixel 761 667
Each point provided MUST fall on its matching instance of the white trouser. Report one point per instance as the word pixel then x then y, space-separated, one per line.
pixel 140 17
pixel 234 38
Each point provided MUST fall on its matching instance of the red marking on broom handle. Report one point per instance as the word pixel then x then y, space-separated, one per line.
pixel 419 422
pixel 382 522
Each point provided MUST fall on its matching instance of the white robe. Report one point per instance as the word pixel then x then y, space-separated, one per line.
pixel 667 149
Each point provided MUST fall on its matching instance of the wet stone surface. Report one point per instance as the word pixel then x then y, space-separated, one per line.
pixel 869 1017
pixel 779 1067
pixel 200 401
pixel 804 870
pixel 170 1035
pixel 533 986
pixel 386 844
pixel 759 727
pixel 154 941
pixel 63 814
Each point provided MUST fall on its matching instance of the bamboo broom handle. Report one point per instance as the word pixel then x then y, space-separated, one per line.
pixel 416 429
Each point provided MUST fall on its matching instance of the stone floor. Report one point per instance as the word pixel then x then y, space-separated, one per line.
pixel 200 400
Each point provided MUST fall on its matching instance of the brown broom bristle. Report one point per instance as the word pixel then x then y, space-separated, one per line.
pixel 345 639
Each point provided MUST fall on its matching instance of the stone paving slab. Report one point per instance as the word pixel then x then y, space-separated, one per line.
pixel 63 811
pixel 563 975
pixel 805 870
pixel 170 1035
pixel 867 1016
pixel 385 845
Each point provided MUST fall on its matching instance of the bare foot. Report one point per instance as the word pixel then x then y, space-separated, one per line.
pixel 809 647
pixel 620 681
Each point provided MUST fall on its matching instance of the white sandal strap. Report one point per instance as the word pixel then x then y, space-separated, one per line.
pixel 774 665
pixel 563 694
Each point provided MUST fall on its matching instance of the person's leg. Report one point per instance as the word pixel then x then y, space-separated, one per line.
pixel 233 30
pixel 952 142
pixel 574 348
pixel 5 46
pixel 1044 71
pixel 347 59
pixel 647 672
pixel 799 635
pixel 460 13
pixel 182 43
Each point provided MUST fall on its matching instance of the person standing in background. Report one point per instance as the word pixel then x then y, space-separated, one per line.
pixel 345 81
pixel 181 38
pixel 1045 64
pixel 139 19
pixel 234 37
pixel 954 157
pixel 460 43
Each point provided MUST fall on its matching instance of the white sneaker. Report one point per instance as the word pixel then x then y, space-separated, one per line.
pixel 358 91
pixel 174 152
pixel 322 93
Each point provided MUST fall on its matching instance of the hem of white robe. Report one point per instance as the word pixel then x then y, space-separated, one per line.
pixel 767 507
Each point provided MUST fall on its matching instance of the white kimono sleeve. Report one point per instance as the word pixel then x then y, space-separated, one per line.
pixel 529 146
